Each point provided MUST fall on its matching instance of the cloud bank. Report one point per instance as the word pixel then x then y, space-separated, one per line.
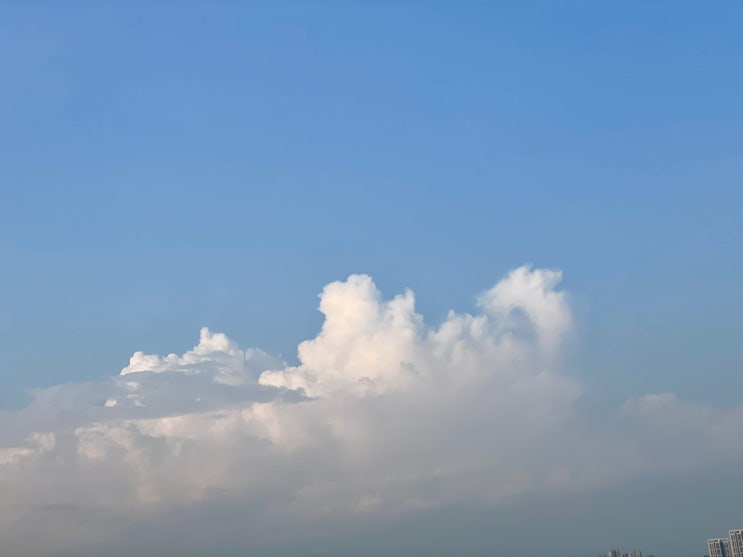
pixel 383 416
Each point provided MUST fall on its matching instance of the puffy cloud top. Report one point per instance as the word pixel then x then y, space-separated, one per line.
pixel 214 355
pixel 383 414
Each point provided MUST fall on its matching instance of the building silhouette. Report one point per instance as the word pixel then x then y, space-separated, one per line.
pixel 719 547
pixel 732 546
pixel 736 543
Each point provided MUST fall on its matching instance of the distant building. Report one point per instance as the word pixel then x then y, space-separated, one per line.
pixel 736 543
pixel 719 547
pixel 633 553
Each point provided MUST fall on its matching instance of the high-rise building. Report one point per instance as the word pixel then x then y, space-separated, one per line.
pixel 719 547
pixel 736 543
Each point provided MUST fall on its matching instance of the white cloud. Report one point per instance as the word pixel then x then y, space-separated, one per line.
pixel 215 355
pixel 383 414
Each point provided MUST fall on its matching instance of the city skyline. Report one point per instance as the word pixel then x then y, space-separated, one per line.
pixel 730 546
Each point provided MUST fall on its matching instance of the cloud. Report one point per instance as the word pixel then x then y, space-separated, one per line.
pixel 383 416
pixel 215 355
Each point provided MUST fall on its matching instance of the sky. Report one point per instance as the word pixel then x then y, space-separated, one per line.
pixel 521 225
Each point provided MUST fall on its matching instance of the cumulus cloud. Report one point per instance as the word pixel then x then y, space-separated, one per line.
pixel 215 355
pixel 383 414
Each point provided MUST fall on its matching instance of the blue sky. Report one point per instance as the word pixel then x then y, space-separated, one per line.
pixel 166 167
